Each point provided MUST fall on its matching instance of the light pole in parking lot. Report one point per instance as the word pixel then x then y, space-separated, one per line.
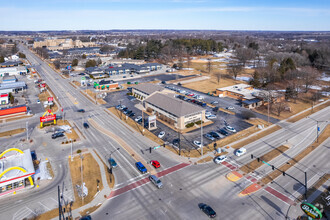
pixel 27 130
pixel 71 149
pixel 202 133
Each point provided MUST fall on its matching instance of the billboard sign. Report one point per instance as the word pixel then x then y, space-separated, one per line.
pixel 48 118
pixel 50 99
pixel 311 210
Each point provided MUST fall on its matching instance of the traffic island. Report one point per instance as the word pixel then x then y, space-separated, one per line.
pixel 12 132
pixel 234 176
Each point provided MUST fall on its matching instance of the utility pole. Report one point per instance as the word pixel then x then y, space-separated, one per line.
pixel 317 128
pixel 59 203
pixel 82 180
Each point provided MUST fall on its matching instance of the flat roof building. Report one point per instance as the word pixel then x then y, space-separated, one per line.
pixel 11 71
pixel 142 91
pixel 174 111
pixel 12 87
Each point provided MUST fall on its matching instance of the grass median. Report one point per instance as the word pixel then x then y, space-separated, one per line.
pixel 12 132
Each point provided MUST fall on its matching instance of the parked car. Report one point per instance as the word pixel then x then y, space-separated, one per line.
pixel 215 135
pixel 155 163
pixel 56 135
pixel 207 113
pixel 161 134
pixel 214 102
pixel 163 82
pixel 207 210
pixel 33 155
pixel 122 107
pixel 112 162
pixel 138 118
pixel 86 125
pixel 229 128
pixel 81 110
pixel 141 167
pixel 223 132
pixel 118 107
pixel 156 181
pixel 220 159
pixel 38 101
pixel 210 137
pixel 81 74
pixel 58 116
pixel 231 108
pixel 240 152
pixel 198 143
pixel 200 97
pixel 211 117
pixel 132 114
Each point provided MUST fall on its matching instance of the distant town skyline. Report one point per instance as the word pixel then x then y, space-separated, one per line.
pixel 280 15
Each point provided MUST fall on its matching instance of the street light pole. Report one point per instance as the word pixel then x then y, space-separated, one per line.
pixel 71 150
pixel 317 128
pixel 82 180
pixel 27 130
pixel 202 132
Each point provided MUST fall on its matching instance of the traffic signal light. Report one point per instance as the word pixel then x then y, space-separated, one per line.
pixel 273 168
pixel 164 145
pixel 258 159
pixel 283 173
pixel 251 156
pixel 150 149
pixel 110 170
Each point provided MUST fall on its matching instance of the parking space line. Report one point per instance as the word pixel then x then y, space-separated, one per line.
pixel 44 206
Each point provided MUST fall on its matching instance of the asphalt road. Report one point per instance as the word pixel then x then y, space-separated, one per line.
pixel 183 188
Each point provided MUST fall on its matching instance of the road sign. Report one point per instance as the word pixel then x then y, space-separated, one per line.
pixel 50 99
pixel 311 210
pixel 48 118
pixel 156 147
pixel 318 129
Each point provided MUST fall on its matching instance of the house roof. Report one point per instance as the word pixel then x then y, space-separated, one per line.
pixel 12 85
pixel 252 101
pixel 240 89
pixel 106 82
pixel 151 64
pixel 173 105
pixel 148 88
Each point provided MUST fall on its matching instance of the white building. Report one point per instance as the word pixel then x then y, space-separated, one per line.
pixel 12 71
pixel 16 169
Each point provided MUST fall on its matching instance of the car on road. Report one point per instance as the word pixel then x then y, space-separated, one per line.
pixel 81 110
pixel 156 181
pixel 112 162
pixel 155 163
pixel 56 135
pixel 86 125
pixel 240 152
pixel 214 134
pixel 231 108
pixel 176 142
pixel 141 167
pixel 86 217
pixel 207 210
pixel 138 118
pixel 197 143
pixel 211 117
pixel 223 132
pixel 38 101
pixel 161 134
pixel 229 128
pixel 220 159
pixel 210 137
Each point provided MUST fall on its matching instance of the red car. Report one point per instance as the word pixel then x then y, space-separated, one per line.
pixel 155 163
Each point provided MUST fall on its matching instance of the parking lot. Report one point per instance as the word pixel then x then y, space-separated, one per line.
pixel 222 119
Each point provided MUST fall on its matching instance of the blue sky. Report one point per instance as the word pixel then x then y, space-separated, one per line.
pixel 165 14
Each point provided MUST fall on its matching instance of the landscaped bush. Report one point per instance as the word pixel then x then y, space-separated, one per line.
pixel 129 93
pixel 247 115
pixel 190 125
pixel 78 151
pixel 117 88
pixel 198 122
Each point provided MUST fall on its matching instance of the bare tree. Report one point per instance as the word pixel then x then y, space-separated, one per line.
pixel 234 69
pixel 218 76
pixel 308 75
pixel 209 65
pixel 244 54
pixel 279 107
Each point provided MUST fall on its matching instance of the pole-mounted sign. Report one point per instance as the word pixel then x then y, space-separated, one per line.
pixel 311 210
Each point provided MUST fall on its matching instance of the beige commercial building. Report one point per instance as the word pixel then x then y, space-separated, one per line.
pixel 143 91
pixel 174 111
pixel 62 44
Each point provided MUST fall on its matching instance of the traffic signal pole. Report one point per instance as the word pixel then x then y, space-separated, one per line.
pixel 286 174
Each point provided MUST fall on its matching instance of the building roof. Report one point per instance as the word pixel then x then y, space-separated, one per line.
pixel 106 82
pixel 148 88
pixel 151 64
pixel 173 105
pixel 12 85
pixel 16 160
pixel 240 89
pixel 11 63
pixel 251 101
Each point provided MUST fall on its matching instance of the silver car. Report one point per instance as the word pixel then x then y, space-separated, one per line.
pixel 156 181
